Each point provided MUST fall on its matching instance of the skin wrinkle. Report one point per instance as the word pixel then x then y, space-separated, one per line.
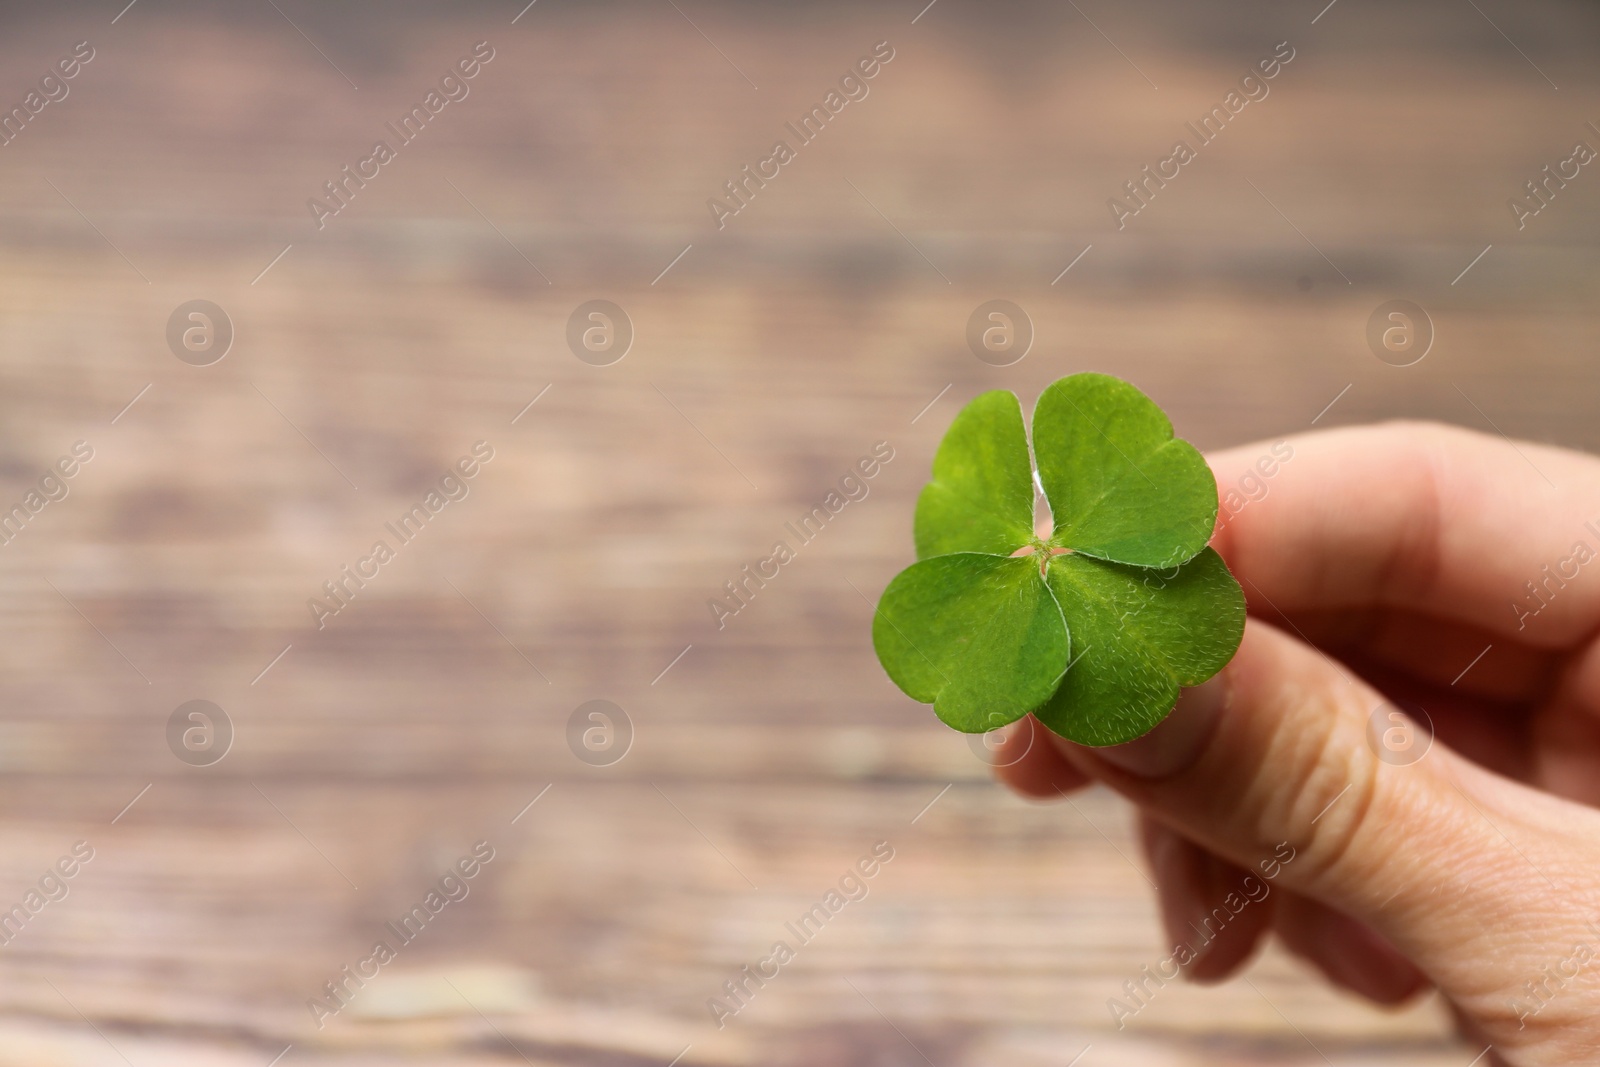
pixel 1543 822
pixel 1319 866
pixel 1402 860
pixel 1322 872
pixel 1479 914
pixel 1276 746
pixel 1326 870
pixel 1564 1031
pixel 1346 815
pixel 1421 519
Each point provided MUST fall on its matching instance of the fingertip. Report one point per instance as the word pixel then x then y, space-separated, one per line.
pixel 1027 763
pixel 1171 746
pixel 1178 867
pixel 1177 740
pixel 1210 919
pixel 1233 918
pixel 1349 953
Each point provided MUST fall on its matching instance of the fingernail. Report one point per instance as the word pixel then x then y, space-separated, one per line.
pixel 1177 741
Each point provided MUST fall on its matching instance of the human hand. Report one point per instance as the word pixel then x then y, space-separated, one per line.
pixel 1378 564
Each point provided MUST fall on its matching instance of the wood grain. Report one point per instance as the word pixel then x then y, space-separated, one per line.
pixel 824 318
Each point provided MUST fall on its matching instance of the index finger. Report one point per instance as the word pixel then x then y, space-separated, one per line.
pixel 1419 516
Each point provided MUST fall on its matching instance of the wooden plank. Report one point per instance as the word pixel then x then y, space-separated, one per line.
pixel 769 753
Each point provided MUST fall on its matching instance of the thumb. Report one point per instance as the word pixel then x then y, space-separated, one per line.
pixel 1485 884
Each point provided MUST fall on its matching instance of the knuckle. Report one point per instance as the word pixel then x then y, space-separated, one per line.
pixel 1318 789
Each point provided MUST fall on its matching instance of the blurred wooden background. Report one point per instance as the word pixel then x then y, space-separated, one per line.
pixel 826 316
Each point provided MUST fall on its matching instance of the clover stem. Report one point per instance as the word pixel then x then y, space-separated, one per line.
pixel 1041 548
pixel 1044 550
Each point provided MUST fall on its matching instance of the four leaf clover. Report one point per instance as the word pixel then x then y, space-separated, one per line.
pixel 1094 628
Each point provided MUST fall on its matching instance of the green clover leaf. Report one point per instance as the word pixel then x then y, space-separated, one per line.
pixel 1120 486
pixel 925 635
pixel 981 496
pixel 1095 628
